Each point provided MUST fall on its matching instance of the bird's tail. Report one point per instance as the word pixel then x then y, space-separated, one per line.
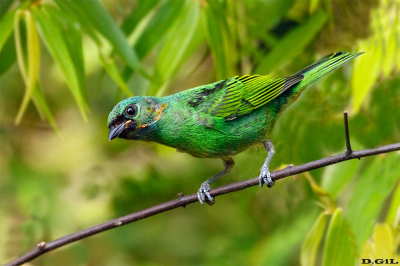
pixel 323 67
pixel 311 74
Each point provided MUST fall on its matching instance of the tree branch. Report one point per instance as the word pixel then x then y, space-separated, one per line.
pixel 182 201
pixel 346 134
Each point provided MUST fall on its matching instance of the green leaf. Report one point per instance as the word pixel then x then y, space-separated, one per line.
pixel 155 30
pixel 336 176
pixel 292 44
pixel 43 108
pixel 384 242
pixel 370 192
pixel 74 44
pixel 158 26
pixel 312 241
pixel 366 70
pixel 6 26
pixel 112 70
pixel 339 248
pixel 71 11
pixel 267 14
pixel 216 32
pixel 30 67
pixel 54 37
pixel 367 251
pixel 8 55
pixel 4 5
pixel 137 14
pixel 171 58
pixel 313 5
pixel 394 210
pixel 105 25
pixel 392 47
pixel 325 198
pixel 382 245
pixel 268 250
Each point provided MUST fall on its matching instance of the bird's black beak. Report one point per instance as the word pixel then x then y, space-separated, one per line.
pixel 115 131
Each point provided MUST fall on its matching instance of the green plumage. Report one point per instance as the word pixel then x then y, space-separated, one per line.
pixel 217 120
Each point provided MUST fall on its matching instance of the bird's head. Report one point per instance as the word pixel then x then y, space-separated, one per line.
pixel 130 117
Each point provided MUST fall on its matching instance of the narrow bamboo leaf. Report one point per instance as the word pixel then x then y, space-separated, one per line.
pixel 392 47
pixel 8 55
pixel 137 14
pixel 313 5
pixel 398 38
pixel 268 250
pixel 325 200
pixel 216 36
pixel 33 51
pixel 54 37
pixel 43 108
pixel 367 250
pixel 29 64
pixel 312 241
pixel 366 70
pixel 104 24
pixel 336 176
pixel 292 44
pixel 32 64
pixel 74 44
pixel 170 57
pixel 112 70
pixel 266 14
pixel 394 209
pixel 19 45
pixel 158 26
pixel 73 30
pixel 369 194
pixel 76 14
pixel 6 26
pixel 4 5
pixel 7 21
pixel 384 242
pixel 155 30
pixel 193 46
pixel 339 248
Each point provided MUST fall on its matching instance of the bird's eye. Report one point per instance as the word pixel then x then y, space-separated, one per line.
pixel 131 110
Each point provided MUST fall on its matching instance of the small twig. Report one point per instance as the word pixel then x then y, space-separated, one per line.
pixel 43 247
pixel 346 133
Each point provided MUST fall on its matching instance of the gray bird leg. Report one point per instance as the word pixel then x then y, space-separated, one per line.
pixel 205 186
pixel 265 175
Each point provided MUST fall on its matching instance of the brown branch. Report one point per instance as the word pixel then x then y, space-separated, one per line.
pixel 346 134
pixel 182 201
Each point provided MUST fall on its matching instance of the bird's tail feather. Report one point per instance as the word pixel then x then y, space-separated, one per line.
pixel 324 66
pixel 311 74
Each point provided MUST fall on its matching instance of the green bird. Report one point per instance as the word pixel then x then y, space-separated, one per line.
pixel 218 120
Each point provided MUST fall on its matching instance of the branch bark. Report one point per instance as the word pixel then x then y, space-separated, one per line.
pixel 182 201
pixel 346 133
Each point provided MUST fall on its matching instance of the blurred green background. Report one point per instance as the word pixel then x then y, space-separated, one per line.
pixel 65 64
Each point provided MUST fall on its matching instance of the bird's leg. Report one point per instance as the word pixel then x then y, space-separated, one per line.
pixel 265 175
pixel 203 194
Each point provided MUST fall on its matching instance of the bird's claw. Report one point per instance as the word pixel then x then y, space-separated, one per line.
pixel 265 177
pixel 203 194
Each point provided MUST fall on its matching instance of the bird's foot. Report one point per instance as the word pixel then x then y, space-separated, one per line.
pixel 204 195
pixel 265 177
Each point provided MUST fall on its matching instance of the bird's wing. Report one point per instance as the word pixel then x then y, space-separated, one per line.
pixel 241 95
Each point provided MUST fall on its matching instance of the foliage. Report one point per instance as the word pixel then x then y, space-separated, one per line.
pixel 100 52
